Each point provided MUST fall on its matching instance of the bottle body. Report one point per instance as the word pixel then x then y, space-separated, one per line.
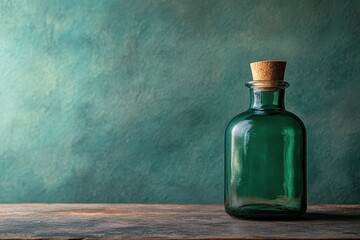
pixel 265 160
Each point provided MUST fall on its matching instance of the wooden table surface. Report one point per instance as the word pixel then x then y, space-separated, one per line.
pixel 155 221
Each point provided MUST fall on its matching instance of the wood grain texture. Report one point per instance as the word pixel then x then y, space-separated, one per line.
pixel 155 221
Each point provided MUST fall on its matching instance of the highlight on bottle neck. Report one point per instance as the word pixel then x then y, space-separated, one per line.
pixel 268 75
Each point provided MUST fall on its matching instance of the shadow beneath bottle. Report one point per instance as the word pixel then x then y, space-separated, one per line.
pixel 308 217
pixel 329 217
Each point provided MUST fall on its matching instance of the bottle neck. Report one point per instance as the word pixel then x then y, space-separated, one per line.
pixel 267 99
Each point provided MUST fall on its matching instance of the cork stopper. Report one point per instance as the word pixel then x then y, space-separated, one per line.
pixel 268 70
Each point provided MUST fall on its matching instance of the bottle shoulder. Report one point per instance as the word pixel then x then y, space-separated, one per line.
pixel 296 119
pixel 239 118
pixel 273 118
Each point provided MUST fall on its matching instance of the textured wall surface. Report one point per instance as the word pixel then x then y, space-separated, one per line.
pixel 127 101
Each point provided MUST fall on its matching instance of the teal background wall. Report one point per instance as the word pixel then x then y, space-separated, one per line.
pixel 127 101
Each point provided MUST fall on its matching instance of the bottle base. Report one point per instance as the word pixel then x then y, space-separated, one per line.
pixel 266 212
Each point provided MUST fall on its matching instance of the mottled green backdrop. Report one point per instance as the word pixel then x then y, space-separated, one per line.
pixel 127 101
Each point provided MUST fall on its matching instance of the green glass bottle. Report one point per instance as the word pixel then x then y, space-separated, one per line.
pixel 265 152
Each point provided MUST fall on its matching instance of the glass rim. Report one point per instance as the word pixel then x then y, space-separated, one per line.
pixel 267 84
